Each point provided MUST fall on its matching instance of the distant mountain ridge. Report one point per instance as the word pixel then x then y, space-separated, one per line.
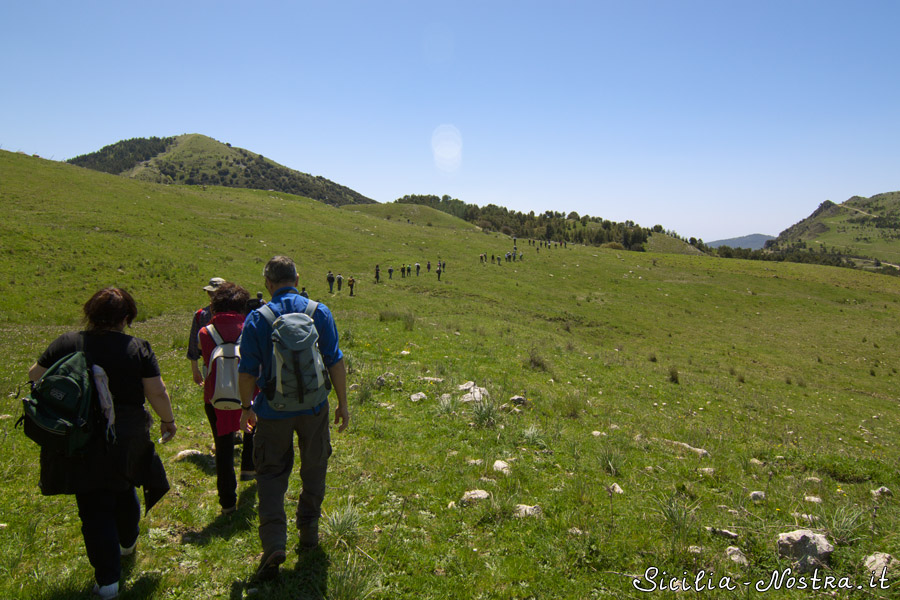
pixel 755 241
pixel 194 159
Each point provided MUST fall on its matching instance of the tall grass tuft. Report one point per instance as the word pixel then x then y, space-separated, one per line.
pixel 446 405
pixel 406 316
pixel 612 460
pixel 341 526
pixel 536 361
pixel 351 581
pixel 531 436
pixel 485 413
pixel 673 375
pixel 844 524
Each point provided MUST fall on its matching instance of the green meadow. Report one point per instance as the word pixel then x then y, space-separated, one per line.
pixel 627 365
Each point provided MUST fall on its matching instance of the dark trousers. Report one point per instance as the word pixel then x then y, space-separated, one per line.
pixel 226 483
pixel 274 450
pixel 108 520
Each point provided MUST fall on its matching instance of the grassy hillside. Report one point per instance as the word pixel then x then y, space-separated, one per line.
pixel 781 372
pixel 861 227
pixel 194 159
pixel 666 244
pixel 414 214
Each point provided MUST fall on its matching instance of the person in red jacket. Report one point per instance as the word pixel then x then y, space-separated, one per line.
pixel 228 305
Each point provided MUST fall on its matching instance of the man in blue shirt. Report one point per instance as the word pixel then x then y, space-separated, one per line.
pixel 273 443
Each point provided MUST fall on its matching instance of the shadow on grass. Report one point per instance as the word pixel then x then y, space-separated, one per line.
pixel 225 526
pixel 204 462
pixel 308 580
pixel 143 588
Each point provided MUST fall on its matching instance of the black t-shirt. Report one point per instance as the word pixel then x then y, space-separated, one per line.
pixel 126 360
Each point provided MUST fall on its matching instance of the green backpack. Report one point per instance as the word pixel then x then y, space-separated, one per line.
pixel 60 412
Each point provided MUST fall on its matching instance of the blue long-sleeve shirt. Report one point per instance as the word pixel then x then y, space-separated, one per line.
pixel 256 346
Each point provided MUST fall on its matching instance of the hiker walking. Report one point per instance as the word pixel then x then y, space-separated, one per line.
pixel 428 267
pixel 275 429
pixel 377 274
pixel 330 279
pixel 340 281
pixel 390 272
pixel 409 270
pixel 201 319
pixel 418 266
pixel 229 308
pixel 351 282
pixel 103 480
pixel 438 271
pixel 304 293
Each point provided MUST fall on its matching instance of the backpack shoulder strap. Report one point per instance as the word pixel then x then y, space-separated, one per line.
pixel 214 334
pixel 311 307
pixel 267 313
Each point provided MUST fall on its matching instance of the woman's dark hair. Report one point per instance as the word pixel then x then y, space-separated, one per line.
pixel 108 308
pixel 229 297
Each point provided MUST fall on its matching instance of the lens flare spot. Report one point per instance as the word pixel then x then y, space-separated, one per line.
pixel 446 146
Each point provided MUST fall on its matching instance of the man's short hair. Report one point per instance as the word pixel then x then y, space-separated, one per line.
pixel 280 269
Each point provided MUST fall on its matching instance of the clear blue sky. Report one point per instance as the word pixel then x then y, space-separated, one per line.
pixel 713 118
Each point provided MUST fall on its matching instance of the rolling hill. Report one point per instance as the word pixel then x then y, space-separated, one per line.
pixel 864 228
pixel 636 404
pixel 194 159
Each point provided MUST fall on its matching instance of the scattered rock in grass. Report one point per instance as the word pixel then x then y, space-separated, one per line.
pixel 756 462
pixel 695 549
pixel 575 531
pixel 615 489
pixel 476 394
pixel 404 353
pixel 431 379
pixel 353 387
pixel 613 427
pixel 418 397
pixel 188 453
pixel 708 471
pixel 446 397
pixel 807 549
pixel 882 491
pixel 698 451
pixel 735 554
pixel 452 505
pixel 475 462
pixel 474 496
pixel 757 496
pixel 813 499
pixel 811 519
pixel 5 417
pixel 880 563
pixel 722 533
pixel 487 480
pixel 466 386
pixel 388 379
pixel 597 433
pixel 502 466
pixel 524 510
pixel 519 400
pixel 814 480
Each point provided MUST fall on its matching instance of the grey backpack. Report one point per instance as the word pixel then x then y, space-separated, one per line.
pixel 298 379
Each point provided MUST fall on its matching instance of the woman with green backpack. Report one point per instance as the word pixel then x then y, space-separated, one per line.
pixel 103 474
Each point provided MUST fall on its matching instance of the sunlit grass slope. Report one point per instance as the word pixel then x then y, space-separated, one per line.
pixel 780 372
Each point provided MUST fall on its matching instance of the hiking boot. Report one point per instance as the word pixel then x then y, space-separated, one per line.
pixel 268 565
pixel 248 475
pixel 228 510
pixel 106 592
pixel 309 535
